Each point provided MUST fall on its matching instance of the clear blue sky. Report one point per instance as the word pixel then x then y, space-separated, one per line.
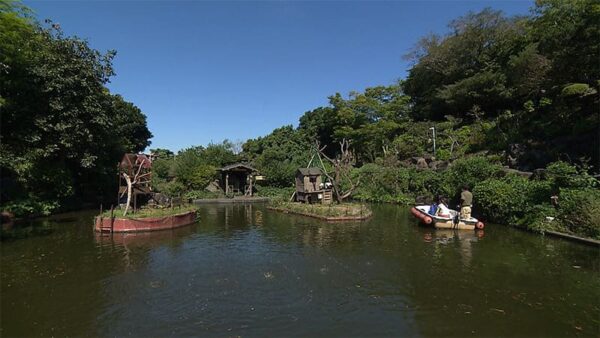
pixel 206 71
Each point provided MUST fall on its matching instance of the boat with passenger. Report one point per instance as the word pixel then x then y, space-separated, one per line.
pixel 452 221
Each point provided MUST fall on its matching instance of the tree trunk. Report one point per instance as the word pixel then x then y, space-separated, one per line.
pixel 336 185
pixel 129 191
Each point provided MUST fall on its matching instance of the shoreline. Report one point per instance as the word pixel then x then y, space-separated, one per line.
pixel 551 233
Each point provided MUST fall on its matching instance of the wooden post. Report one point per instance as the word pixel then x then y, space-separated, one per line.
pixel 118 183
pixel 250 185
pixel 112 218
pixel 226 184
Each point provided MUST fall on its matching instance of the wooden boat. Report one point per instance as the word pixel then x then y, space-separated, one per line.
pixel 452 222
pixel 115 224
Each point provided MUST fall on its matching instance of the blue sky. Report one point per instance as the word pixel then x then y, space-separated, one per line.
pixel 206 71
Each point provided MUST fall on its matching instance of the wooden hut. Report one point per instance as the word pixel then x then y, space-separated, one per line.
pixel 237 179
pixel 310 187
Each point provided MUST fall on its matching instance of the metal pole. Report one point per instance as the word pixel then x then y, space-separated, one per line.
pixel 433 129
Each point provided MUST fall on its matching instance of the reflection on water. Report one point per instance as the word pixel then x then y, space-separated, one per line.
pixel 243 270
pixel 464 240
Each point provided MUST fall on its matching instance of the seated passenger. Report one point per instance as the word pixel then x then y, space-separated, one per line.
pixel 442 209
pixel 432 209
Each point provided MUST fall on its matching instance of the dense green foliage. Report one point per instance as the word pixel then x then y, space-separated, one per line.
pixel 62 132
pixel 533 79
pixel 499 91
pixel 189 171
pixel 579 211
pixel 521 88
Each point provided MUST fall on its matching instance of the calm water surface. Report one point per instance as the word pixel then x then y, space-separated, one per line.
pixel 246 271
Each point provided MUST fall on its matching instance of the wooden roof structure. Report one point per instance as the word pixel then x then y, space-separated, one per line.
pixel 314 171
pixel 237 167
pixel 237 178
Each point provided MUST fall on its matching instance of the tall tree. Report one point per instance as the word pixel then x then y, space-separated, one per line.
pixel 62 131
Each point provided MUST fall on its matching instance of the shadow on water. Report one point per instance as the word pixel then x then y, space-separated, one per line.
pixel 243 270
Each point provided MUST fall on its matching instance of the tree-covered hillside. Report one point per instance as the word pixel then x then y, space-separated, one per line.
pixel 518 92
pixel 523 88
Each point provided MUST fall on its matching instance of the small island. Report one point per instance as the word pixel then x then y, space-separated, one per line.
pixel 146 220
pixel 157 211
pixel 314 198
pixel 326 212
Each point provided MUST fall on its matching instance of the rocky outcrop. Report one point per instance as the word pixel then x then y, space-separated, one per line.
pixel 526 174
pixel 439 165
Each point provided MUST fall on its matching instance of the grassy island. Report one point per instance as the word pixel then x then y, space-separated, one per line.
pixel 331 212
pixel 150 212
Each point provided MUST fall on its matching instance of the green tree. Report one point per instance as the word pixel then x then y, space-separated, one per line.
pixel 62 132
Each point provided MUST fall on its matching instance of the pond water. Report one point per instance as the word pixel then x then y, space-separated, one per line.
pixel 245 271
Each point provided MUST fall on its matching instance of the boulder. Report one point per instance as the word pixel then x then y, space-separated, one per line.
pixel 429 158
pixel 539 174
pixel 422 164
pixel 439 165
pixel 160 199
pixel 416 159
pixel 526 174
pixel 213 186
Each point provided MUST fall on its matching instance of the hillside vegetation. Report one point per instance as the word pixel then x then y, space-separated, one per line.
pixel 505 95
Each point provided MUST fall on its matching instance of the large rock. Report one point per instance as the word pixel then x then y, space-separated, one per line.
pixel 429 158
pixel 539 174
pixel 422 164
pixel 160 198
pixel 526 174
pixel 213 187
pixel 439 165
pixel 415 159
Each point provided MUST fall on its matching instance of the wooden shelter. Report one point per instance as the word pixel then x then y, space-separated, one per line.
pixel 310 187
pixel 138 166
pixel 237 179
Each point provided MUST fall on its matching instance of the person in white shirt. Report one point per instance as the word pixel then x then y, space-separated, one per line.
pixel 442 210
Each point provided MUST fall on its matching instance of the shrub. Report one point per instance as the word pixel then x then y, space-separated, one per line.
pixel 411 143
pixel 536 219
pixel 430 183
pixel 31 207
pixel 502 200
pixel 276 193
pixel 471 171
pixel 577 89
pixel 382 184
pixel 563 175
pixel 579 211
pixel 172 188
pixel 379 183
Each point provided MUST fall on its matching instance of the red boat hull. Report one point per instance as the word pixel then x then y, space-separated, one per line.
pixel 107 224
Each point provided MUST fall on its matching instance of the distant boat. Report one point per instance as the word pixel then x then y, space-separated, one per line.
pixel 452 222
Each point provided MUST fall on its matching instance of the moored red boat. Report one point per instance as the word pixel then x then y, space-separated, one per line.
pixel 452 222
pixel 116 224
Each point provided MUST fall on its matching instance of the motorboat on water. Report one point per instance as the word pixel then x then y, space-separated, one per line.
pixel 452 222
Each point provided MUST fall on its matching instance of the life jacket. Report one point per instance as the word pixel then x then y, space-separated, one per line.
pixel 433 209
